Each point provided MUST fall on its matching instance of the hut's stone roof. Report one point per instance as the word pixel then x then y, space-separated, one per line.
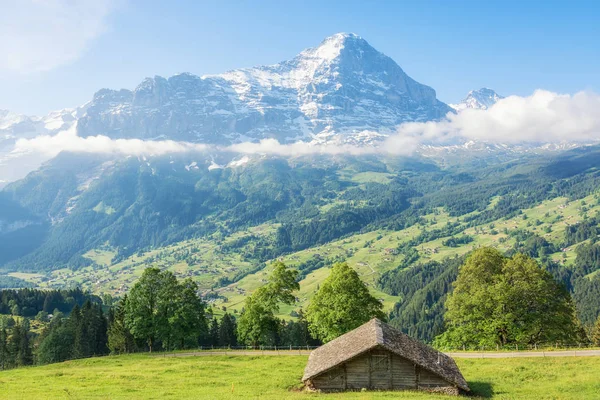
pixel 375 334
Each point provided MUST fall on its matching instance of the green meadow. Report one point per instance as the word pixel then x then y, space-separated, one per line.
pixel 278 377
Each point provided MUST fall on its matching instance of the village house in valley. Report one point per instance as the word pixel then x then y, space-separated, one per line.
pixel 378 357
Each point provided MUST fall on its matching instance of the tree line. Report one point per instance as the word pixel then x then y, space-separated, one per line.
pixel 29 302
pixel 485 299
pixel 162 313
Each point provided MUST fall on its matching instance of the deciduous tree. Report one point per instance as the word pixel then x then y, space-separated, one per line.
pixel 341 304
pixel 145 314
pixel 257 324
pixel 498 301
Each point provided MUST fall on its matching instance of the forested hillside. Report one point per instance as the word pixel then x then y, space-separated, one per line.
pixel 403 224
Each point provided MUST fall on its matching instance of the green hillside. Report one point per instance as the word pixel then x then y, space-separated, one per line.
pixel 400 223
pixel 371 254
pixel 278 377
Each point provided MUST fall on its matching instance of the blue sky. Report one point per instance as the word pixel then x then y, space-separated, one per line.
pixel 58 55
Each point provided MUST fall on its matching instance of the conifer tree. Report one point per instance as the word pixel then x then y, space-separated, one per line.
pixel 4 352
pixel 78 327
pixel 213 333
pixel 227 334
pixel 19 345
pixel 120 339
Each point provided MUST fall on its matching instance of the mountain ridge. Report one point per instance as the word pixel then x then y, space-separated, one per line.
pixel 480 99
pixel 341 87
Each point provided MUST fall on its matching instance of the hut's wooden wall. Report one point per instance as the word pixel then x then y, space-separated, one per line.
pixel 357 372
pixel 380 370
pixel 404 374
pixel 331 380
pixel 430 380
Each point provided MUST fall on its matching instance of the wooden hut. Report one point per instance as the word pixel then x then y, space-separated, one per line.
pixel 378 357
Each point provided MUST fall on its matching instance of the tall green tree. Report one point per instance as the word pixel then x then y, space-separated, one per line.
pixel 19 344
pixel 227 331
pixel 120 340
pixel 213 333
pixel 342 304
pixel 56 344
pixel 499 301
pixel 5 361
pixel 188 321
pixel 257 324
pixel 159 310
pixel 82 334
pixel 79 322
pixel 99 331
pixel 146 310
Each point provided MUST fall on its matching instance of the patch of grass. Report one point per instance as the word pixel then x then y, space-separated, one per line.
pixel 377 177
pixel 272 377
pixel 103 208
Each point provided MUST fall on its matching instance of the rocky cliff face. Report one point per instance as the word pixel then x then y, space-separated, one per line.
pixel 334 91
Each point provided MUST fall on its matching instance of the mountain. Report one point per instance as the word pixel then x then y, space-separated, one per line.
pixel 331 92
pixel 14 126
pixel 481 99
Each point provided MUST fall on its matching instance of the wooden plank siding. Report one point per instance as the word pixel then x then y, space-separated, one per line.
pixel 357 371
pixel 430 380
pixel 403 373
pixel 378 369
pixel 332 380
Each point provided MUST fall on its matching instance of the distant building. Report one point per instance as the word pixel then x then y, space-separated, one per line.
pixel 378 357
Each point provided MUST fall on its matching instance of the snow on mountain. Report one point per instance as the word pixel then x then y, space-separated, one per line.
pixel 481 99
pixel 8 118
pixel 341 92
pixel 340 89
pixel 14 126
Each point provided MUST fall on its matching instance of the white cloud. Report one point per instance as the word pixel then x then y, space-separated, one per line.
pixel 50 146
pixel 543 117
pixel 39 35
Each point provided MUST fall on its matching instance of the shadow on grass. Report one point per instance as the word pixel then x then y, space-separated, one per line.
pixel 481 389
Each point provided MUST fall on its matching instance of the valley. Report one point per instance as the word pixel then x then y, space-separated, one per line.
pixel 227 269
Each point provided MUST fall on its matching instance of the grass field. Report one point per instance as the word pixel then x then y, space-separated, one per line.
pixel 277 377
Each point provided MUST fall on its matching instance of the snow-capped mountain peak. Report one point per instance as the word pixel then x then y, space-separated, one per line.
pixel 9 118
pixel 330 48
pixel 337 89
pixel 481 99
